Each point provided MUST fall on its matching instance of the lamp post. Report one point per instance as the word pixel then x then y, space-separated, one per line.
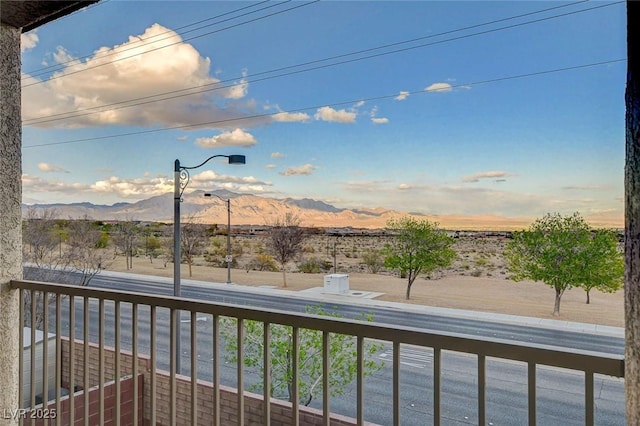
pixel 228 258
pixel 181 180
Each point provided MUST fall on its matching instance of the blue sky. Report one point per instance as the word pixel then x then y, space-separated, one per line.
pixel 508 108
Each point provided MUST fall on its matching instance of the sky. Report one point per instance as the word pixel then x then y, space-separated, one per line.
pixel 508 108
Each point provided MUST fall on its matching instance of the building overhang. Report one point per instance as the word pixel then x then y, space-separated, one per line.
pixel 29 15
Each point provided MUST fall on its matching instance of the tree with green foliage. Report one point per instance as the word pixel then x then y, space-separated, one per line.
pixel 417 246
pixel 603 263
pixel 561 252
pixel 342 356
pixel 373 259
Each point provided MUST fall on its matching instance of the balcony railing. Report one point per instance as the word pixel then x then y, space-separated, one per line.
pixel 99 337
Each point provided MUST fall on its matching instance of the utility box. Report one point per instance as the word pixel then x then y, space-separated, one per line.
pixel 39 343
pixel 336 283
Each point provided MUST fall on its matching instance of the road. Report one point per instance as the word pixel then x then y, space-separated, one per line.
pixel 560 393
pixel 508 331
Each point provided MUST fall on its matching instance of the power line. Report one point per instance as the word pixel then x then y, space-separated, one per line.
pixel 178 42
pixel 60 66
pixel 334 104
pixel 251 78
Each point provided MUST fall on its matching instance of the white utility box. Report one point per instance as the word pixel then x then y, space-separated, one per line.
pixel 336 283
pixel 39 362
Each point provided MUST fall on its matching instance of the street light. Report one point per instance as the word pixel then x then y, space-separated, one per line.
pixel 181 180
pixel 228 258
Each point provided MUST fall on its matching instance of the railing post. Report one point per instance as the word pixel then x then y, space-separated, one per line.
pixel 72 360
pixel 117 337
pixel 437 367
pixel 360 381
pixel 85 360
pixel 326 374
pixel 194 368
pixel 589 398
pixel 482 385
pixel 134 360
pixel 45 348
pixel 267 374
pixel 152 349
pixel 216 369
pixel 531 384
pixel 240 367
pixel 396 383
pixel 101 360
pixel 295 376
pixel 58 357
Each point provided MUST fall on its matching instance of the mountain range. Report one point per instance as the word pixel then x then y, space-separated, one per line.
pixel 249 209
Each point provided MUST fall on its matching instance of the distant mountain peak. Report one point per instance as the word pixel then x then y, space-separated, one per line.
pixel 311 204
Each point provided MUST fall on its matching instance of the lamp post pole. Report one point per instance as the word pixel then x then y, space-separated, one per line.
pixel 180 182
pixel 228 259
pixel 177 195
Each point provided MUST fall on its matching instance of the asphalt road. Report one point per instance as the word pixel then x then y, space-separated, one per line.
pixel 560 393
pixel 508 331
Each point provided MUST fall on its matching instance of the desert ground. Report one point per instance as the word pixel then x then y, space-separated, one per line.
pixel 478 280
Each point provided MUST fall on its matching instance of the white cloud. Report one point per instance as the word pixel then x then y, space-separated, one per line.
pixel 61 56
pixel 402 96
pixel 28 40
pixel 277 155
pixel 377 120
pixel 359 104
pixel 51 168
pixel 359 186
pixel 270 166
pixel 290 117
pixel 306 170
pixel 239 89
pixel 340 116
pixel 143 187
pixel 237 137
pixel 121 73
pixel 209 179
pixel 494 174
pixel 404 186
pixel 439 87
pixel 35 184
pixel 587 187
pixel 139 188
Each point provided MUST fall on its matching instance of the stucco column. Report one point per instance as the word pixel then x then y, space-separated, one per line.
pixel 10 218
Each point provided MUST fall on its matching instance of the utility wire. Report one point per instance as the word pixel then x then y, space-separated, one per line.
pixel 249 79
pixel 334 104
pixel 175 43
pixel 133 45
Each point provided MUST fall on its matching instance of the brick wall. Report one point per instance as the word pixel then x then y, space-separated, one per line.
pixel 126 405
pixel 280 410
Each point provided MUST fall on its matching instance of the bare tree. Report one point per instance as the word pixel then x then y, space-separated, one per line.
pixel 42 256
pixel 83 249
pixel 42 244
pixel 193 239
pixel 167 246
pixel 284 241
pixel 126 238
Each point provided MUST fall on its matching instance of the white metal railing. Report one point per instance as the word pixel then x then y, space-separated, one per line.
pixel 126 309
